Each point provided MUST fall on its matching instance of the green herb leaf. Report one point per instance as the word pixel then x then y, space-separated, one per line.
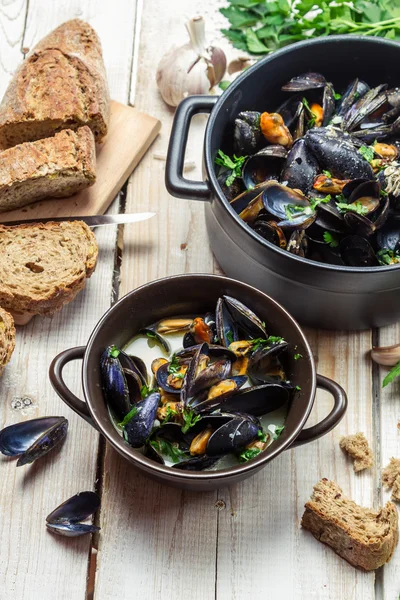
pixel 315 201
pixel 174 368
pixel 331 239
pixel 388 257
pixel 190 418
pixel 146 391
pixel 133 412
pixel 356 207
pixel 254 45
pixel 337 96
pixel 367 152
pixel 265 343
pixel 298 388
pixel 393 373
pixel 248 454
pixel 312 114
pixel 168 449
pixel 327 174
pixel 229 337
pixel 114 352
pixel 224 84
pixel 234 164
pixel 262 435
pixel 298 356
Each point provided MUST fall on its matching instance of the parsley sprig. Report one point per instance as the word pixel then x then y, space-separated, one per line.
pixel 367 152
pixel 388 257
pixel 262 343
pixel 260 27
pixel 132 413
pixel 190 418
pixel 356 207
pixel 330 239
pixel 393 373
pixel 168 449
pixel 235 164
pixel 174 368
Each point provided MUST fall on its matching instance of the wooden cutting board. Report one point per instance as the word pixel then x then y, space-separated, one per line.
pixel 130 135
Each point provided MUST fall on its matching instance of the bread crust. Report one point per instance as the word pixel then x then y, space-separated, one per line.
pixel 44 266
pixel 366 544
pixel 61 84
pixel 53 167
pixel 7 338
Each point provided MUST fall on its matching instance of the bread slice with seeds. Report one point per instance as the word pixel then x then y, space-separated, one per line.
pixel 44 266
pixel 55 167
pixel 60 85
pixel 7 338
pixel 391 478
pixel 366 538
pixel 358 448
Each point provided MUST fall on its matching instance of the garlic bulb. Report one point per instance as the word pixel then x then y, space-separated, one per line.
pixel 190 69
pixel 386 355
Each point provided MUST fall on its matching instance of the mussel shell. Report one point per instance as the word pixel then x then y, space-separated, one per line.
pixel 365 106
pixel 157 338
pixel 150 452
pixel 300 168
pixel 16 439
pixel 381 215
pixel 188 340
pixel 290 109
pixel 247 133
pixel 351 186
pixel 336 152
pixel 329 218
pixel 202 403
pixel 231 437
pixel 371 134
pixel 298 243
pixel 115 384
pixel 277 198
pixel 135 364
pixel 190 375
pixel 388 237
pixel 230 191
pixel 359 224
pixel 244 318
pixel 75 509
pixel 162 375
pixel 46 442
pixel 356 90
pixel 211 375
pixel 258 400
pixel 328 104
pixel 265 353
pixel 368 190
pixel 138 429
pixel 266 164
pixel 71 529
pixel 199 463
pixel 270 231
pixel 227 329
pixel 241 202
pixel 356 251
pixel 305 81
pixel 214 350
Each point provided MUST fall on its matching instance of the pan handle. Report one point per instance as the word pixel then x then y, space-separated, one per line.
pixel 339 408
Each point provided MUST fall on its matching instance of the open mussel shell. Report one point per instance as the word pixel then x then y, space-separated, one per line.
pixel 214 351
pixel 227 329
pixel 374 99
pixel 232 437
pixel 266 164
pixel 247 133
pixel 359 224
pixel 239 315
pixel 305 81
pixel 300 168
pixel 121 386
pixel 190 375
pixel 138 429
pixel 258 400
pixel 279 200
pixel 329 218
pixel 71 529
pixel 356 251
pixel 356 90
pixel 32 439
pixel 298 243
pixel 224 390
pixel 234 189
pixel 270 231
pixel 162 375
pixel 328 104
pixel 156 338
pixel 134 364
pixel 367 193
pixel 75 509
pixel 198 463
pixel 216 372
pixel 248 204
pixel 388 237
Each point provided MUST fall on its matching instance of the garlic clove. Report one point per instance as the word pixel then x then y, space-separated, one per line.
pixel 218 60
pixel 238 64
pixel 387 356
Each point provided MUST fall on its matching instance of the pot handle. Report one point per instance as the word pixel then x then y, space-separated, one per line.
pixel 58 383
pixel 176 184
pixel 340 405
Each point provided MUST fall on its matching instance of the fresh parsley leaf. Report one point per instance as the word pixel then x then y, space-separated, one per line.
pixel 393 373
pixel 224 84
pixel 276 430
pixel 313 116
pixel 248 454
pixel 327 174
pixel 316 201
pixel 356 207
pixel 132 413
pixel 279 430
pixel 174 368
pixel 190 418
pixel 114 352
pixel 330 239
pixel 337 96
pixel 235 164
pixel 254 45
pixel 262 435
pixel 367 152
pixel 297 356
pixel 229 337
pixel 388 257
pixel 170 413
pixel 168 449
pixel 298 388
pixel 265 343
pixel 146 391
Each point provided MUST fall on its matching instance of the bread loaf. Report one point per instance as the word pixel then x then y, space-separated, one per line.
pixel 364 537
pixel 44 266
pixel 358 448
pixel 60 85
pixel 54 167
pixel 7 338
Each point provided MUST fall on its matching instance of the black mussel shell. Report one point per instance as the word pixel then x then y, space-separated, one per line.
pixel 75 509
pixel 211 375
pixel 329 218
pixel 242 202
pixel 162 375
pixel 305 81
pixel 245 319
pixel 150 452
pixel 356 90
pixel 214 351
pixel 204 403
pixel 368 190
pixel 247 132
pixel 234 189
pixel 199 463
pixel 138 429
pixel 134 364
pixel 371 134
pixel 258 400
pixel 270 231
pixel 291 208
pixel 388 237
pixel 231 437
pixel 71 529
pixel 351 186
pixel 359 225
pixel 290 109
pixel 156 338
pixel 336 152
pixel 298 243
pixel 328 104
pixel 266 164
pixel 300 168
pixel 210 320
pixel 380 217
pixel 190 375
pixel 356 251
pixel 188 340
pixel 227 329
pixel 118 394
pixel 364 107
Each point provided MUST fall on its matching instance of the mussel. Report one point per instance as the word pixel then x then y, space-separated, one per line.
pixel 247 132
pixel 138 429
pixel 293 210
pixel 300 168
pixel 266 164
pixel 66 519
pixel 120 379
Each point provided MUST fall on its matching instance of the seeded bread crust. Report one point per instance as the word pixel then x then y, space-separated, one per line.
pixel 61 84
pixel 364 537
pixel 55 167
pixel 7 338
pixel 391 478
pixel 44 266
pixel 357 447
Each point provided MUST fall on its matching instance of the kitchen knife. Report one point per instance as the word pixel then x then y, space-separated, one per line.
pixel 93 221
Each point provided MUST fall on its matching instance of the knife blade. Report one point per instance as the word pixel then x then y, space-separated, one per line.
pixel 91 221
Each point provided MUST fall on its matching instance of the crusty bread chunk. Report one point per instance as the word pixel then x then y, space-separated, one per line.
pixel 7 338
pixel 357 447
pixel 44 266
pixel 60 85
pixel 364 537
pixel 391 478
pixel 55 167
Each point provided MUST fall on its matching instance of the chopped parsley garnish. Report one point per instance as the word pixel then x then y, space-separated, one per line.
pixel 248 454
pixel 168 449
pixel 114 352
pixel 367 152
pixel 224 84
pixel 311 121
pixel 132 413
pixel 229 337
pixel 327 174
pixel 337 96
pixel 174 368
pixel 190 418
pixel 384 193
pixel 315 201
pixel 393 373
pixel 356 207
pixel 170 413
pixel 298 388
pixel 235 164
pixel 146 391
pixel 298 356
pixel 330 239
pixel 151 335
pixel 388 257
pixel 262 435
pixel 262 343
pixel 292 211
pixel 276 430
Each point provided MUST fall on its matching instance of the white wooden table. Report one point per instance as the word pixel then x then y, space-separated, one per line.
pixel 155 542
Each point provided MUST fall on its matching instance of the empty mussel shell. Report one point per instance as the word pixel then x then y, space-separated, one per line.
pixel 32 439
pixel 241 316
pixel 258 400
pixel 75 509
pixel 356 251
pixel 305 81
pixel 71 529
pixel 266 164
pixel 157 338
pixel 270 231
pixel 198 463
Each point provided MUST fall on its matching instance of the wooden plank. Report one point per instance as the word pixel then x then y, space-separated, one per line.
pixel 130 134
pixel 33 563
pixel 12 27
pixel 389 418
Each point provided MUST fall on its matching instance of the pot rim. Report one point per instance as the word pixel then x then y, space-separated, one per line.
pixel 209 163
pixel 150 466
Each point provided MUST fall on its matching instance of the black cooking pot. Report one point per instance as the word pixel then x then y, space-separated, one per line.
pixel 317 294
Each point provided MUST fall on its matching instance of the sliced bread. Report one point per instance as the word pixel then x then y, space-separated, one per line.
pixel 60 85
pixel 44 266
pixel 391 478
pixel 364 537
pixel 51 168
pixel 358 448
pixel 7 338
